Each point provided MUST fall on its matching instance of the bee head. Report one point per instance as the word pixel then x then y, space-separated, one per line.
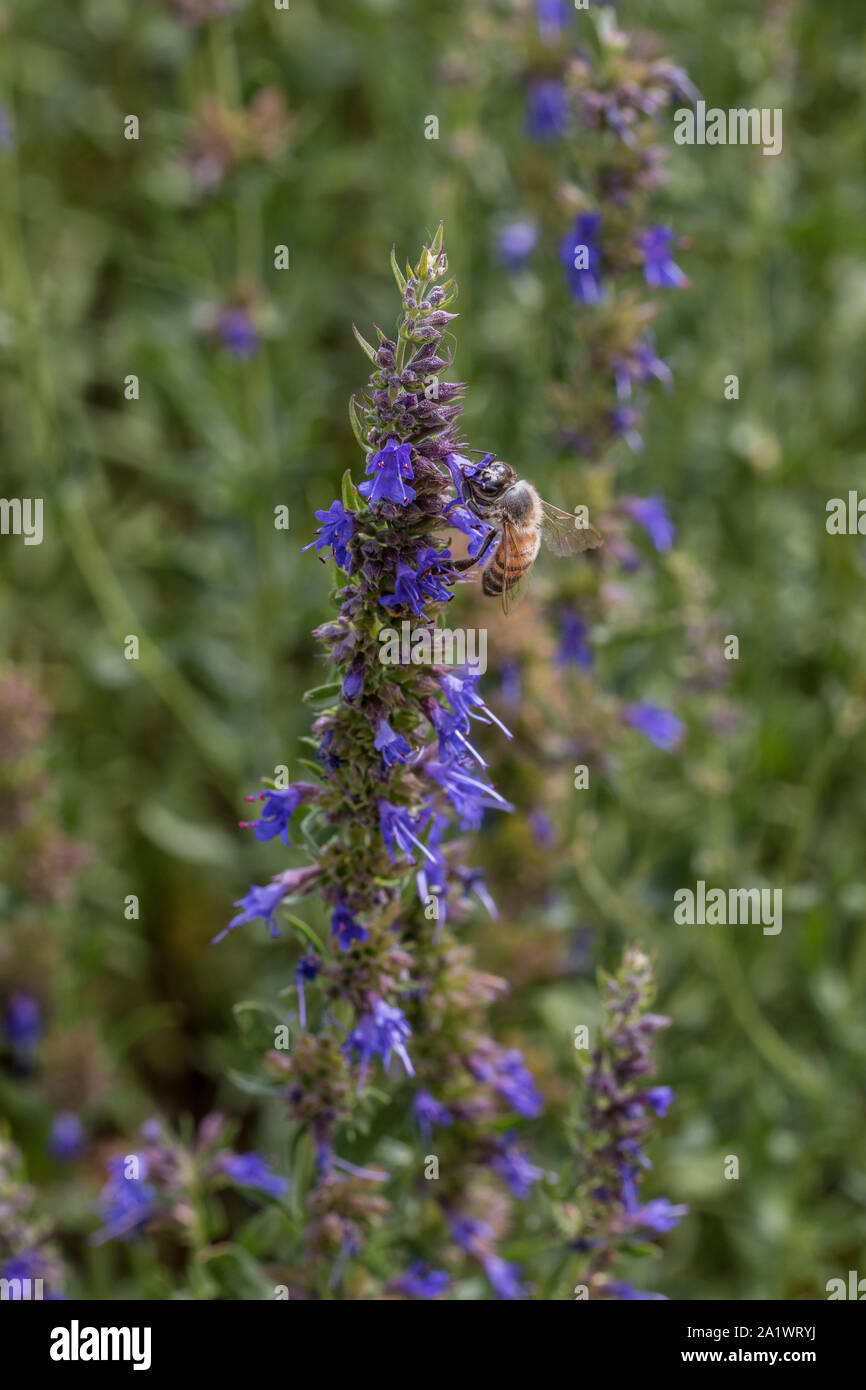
pixel 490 480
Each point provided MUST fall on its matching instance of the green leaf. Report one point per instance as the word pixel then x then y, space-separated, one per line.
pixel 350 494
pixel 368 347
pixel 398 275
pixel 323 692
pixel 306 932
pixel 253 1085
pixel 357 423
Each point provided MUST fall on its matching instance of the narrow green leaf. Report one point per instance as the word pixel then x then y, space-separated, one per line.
pixel 368 347
pixel 306 932
pixel 350 494
pixel 398 275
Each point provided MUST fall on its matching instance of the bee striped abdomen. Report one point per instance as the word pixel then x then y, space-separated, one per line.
pixel 505 570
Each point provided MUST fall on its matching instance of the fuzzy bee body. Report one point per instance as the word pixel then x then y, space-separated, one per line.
pixel 520 518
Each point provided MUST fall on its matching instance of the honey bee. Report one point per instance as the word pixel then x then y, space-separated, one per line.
pixel 520 519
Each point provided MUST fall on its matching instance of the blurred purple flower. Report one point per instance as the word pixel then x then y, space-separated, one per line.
pixel 656 724
pixel 651 514
pixel 584 283
pixel 547 111
pixel 660 269
pixel 515 243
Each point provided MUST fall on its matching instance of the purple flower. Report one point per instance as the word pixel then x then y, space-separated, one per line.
pixel 624 422
pixel 237 332
pixel 407 591
pixel 459 690
pixel 393 747
pixel 352 685
pixel 336 531
pixel 574 648
pixel 515 1169
pixel 379 1033
pixel 391 467
pixel 467 794
pixel 546 109
pixel 346 927
pixel 510 1076
pixel 67 1136
pixel 126 1204
pixel 660 269
pixel 398 832
pixel 660 1098
pixel 251 1170
pixel 280 806
pixel 515 244
pixel 581 244
pixel 429 1112
pixel 651 514
pixel 662 728
pixel 461 517
pixel 542 827
pixel 259 902
pixel 504 1277
pixel 615 1288
pixel 22 1023
pixel 659 1215
pixel 553 17
pixel 637 366
pixel 307 968
pixel 420 1281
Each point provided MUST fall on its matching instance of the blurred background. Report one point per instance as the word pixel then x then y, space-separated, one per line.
pixel 154 258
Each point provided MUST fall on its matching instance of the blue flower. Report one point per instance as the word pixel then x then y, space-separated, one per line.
pixel 639 365
pixel 307 969
pixel 251 1170
pixel 407 591
pixel 392 467
pixel 336 531
pixel 514 1167
pixel 237 332
pixel 546 109
pixel 429 1112
pixel 461 517
pixel 553 17
pixel 467 794
pixel 651 514
pixel 656 724
pixel 379 1033
pixel 346 927
pixel 659 1215
pixel 67 1136
pixel 504 1277
pixel 515 244
pixel 420 1281
pixel 280 806
pixel 22 1023
pixel 126 1204
pixel 509 1075
pixel 352 685
pixel 660 1098
pixel 574 648
pixel 660 269
pixel 259 902
pixel 584 284
pixel 615 1288
pixel 398 832
pixel 7 135
pixel 459 690
pixel 393 747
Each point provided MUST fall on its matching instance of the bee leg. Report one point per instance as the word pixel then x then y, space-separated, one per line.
pixel 461 565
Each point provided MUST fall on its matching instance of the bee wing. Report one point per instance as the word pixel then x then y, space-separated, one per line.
pixel 512 596
pixel 562 534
